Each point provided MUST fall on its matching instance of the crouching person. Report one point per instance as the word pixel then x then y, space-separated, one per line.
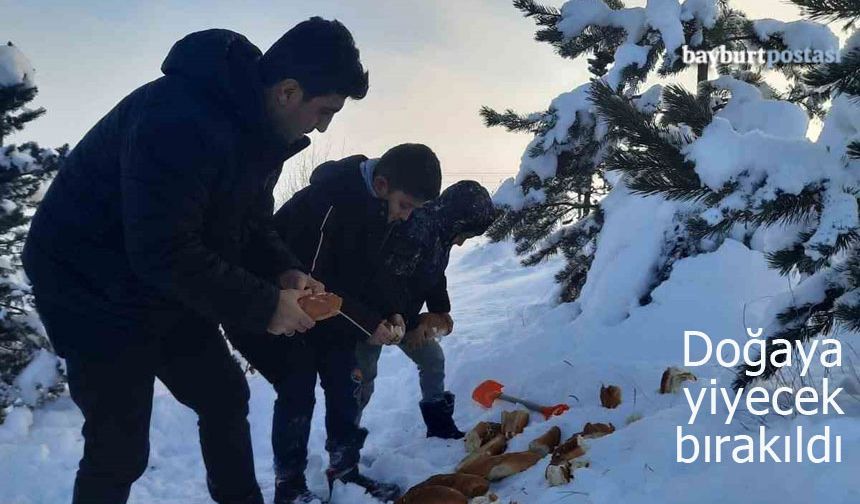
pixel 340 226
pixel 418 263
pixel 142 246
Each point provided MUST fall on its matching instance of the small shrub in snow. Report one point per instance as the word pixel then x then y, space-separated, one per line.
pixel 29 373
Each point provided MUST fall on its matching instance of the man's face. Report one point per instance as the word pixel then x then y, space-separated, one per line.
pixel 400 204
pixel 292 116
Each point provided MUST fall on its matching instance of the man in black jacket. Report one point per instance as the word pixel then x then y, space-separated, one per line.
pixel 341 226
pixel 416 267
pixel 158 229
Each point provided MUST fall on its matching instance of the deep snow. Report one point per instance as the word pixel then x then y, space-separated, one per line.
pixel 507 328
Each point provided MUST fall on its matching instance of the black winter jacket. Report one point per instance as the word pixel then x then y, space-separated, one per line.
pixel 164 207
pixel 417 261
pixel 341 232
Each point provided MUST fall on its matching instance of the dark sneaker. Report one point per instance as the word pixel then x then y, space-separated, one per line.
pixel 379 490
pixel 439 418
pixel 294 492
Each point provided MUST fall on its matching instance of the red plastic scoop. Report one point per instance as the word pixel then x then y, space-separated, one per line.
pixel 490 390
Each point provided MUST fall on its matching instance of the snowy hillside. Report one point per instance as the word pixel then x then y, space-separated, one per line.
pixel 508 329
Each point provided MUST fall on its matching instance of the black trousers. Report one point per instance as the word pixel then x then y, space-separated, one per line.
pixel 292 364
pixel 114 393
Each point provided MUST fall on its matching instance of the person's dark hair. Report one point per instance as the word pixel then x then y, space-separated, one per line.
pixel 413 169
pixel 321 56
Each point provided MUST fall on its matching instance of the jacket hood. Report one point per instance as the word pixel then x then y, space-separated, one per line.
pixel 342 172
pixel 224 65
pixel 465 207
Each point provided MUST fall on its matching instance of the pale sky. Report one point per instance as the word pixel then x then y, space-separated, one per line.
pixel 432 64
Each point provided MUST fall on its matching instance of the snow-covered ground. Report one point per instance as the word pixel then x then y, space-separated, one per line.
pixel 508 329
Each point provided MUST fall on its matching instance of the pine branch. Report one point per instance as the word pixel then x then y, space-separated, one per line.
pixel 843 76
pixel 544 16
pixel 602 41
pixel 683 107
pixel 652 164
pixel 795 257
pixel 830 10
pixel 789 208
pixel 848 316
pixel 800 324
pixel 510 120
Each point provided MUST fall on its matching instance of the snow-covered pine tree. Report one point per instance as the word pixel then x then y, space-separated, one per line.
pixel 736 157
pixel 778 191
pixel 28 372
pixel 824 249
pixel 608 133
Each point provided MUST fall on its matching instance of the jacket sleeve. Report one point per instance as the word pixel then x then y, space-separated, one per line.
pixel 167 172
pixel 437 297
pixel 437 302
pixel 309 223
pixel 266 253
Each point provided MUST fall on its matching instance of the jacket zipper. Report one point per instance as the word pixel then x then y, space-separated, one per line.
pixel 322 237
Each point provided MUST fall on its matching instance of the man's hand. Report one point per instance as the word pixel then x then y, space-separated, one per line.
pixel 398 327
pixel 437 324
pixel 448 320
pixel 416 338
pixel 299 280
pixel 289 317
pixel 430 325
pixel 315 285
pixel 383 335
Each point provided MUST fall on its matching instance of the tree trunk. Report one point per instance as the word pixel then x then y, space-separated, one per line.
pixel 702 74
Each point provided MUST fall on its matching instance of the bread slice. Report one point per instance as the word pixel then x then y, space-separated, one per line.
pixel 321 306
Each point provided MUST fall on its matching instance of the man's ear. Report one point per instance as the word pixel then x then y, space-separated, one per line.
pixel 289 90
pixel 380 186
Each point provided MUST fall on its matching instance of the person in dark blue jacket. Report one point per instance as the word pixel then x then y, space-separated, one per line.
pixel 341 225
pixel 415 267
pixel 159 228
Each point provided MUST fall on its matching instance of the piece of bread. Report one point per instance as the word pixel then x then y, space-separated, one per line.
pixel 501 466
pixel 512 463
pixel 480 434
pixel 672 379
pixel 558 474
pixel 564 459
pixel 610 397
pixel 514 422
pixel 572 448
pixel 546 443
pixel 432 494
pixel 487 499
pixel 321 306
pixel 596 430
pixel 467 484
pixel 562 473
pixel 492 447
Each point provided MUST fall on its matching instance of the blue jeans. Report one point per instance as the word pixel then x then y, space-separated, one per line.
pixel 428 357
pixel 303 357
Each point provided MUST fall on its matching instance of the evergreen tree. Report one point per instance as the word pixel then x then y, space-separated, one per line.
pixel 610 126
pixel 825 252
pixel 25 171
pixel 819 221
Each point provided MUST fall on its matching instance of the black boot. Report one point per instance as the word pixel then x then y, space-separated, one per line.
pixel 294 491
pixel 379 490
pixel 438 416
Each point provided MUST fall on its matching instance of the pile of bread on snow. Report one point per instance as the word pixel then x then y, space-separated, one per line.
pixel 487 461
